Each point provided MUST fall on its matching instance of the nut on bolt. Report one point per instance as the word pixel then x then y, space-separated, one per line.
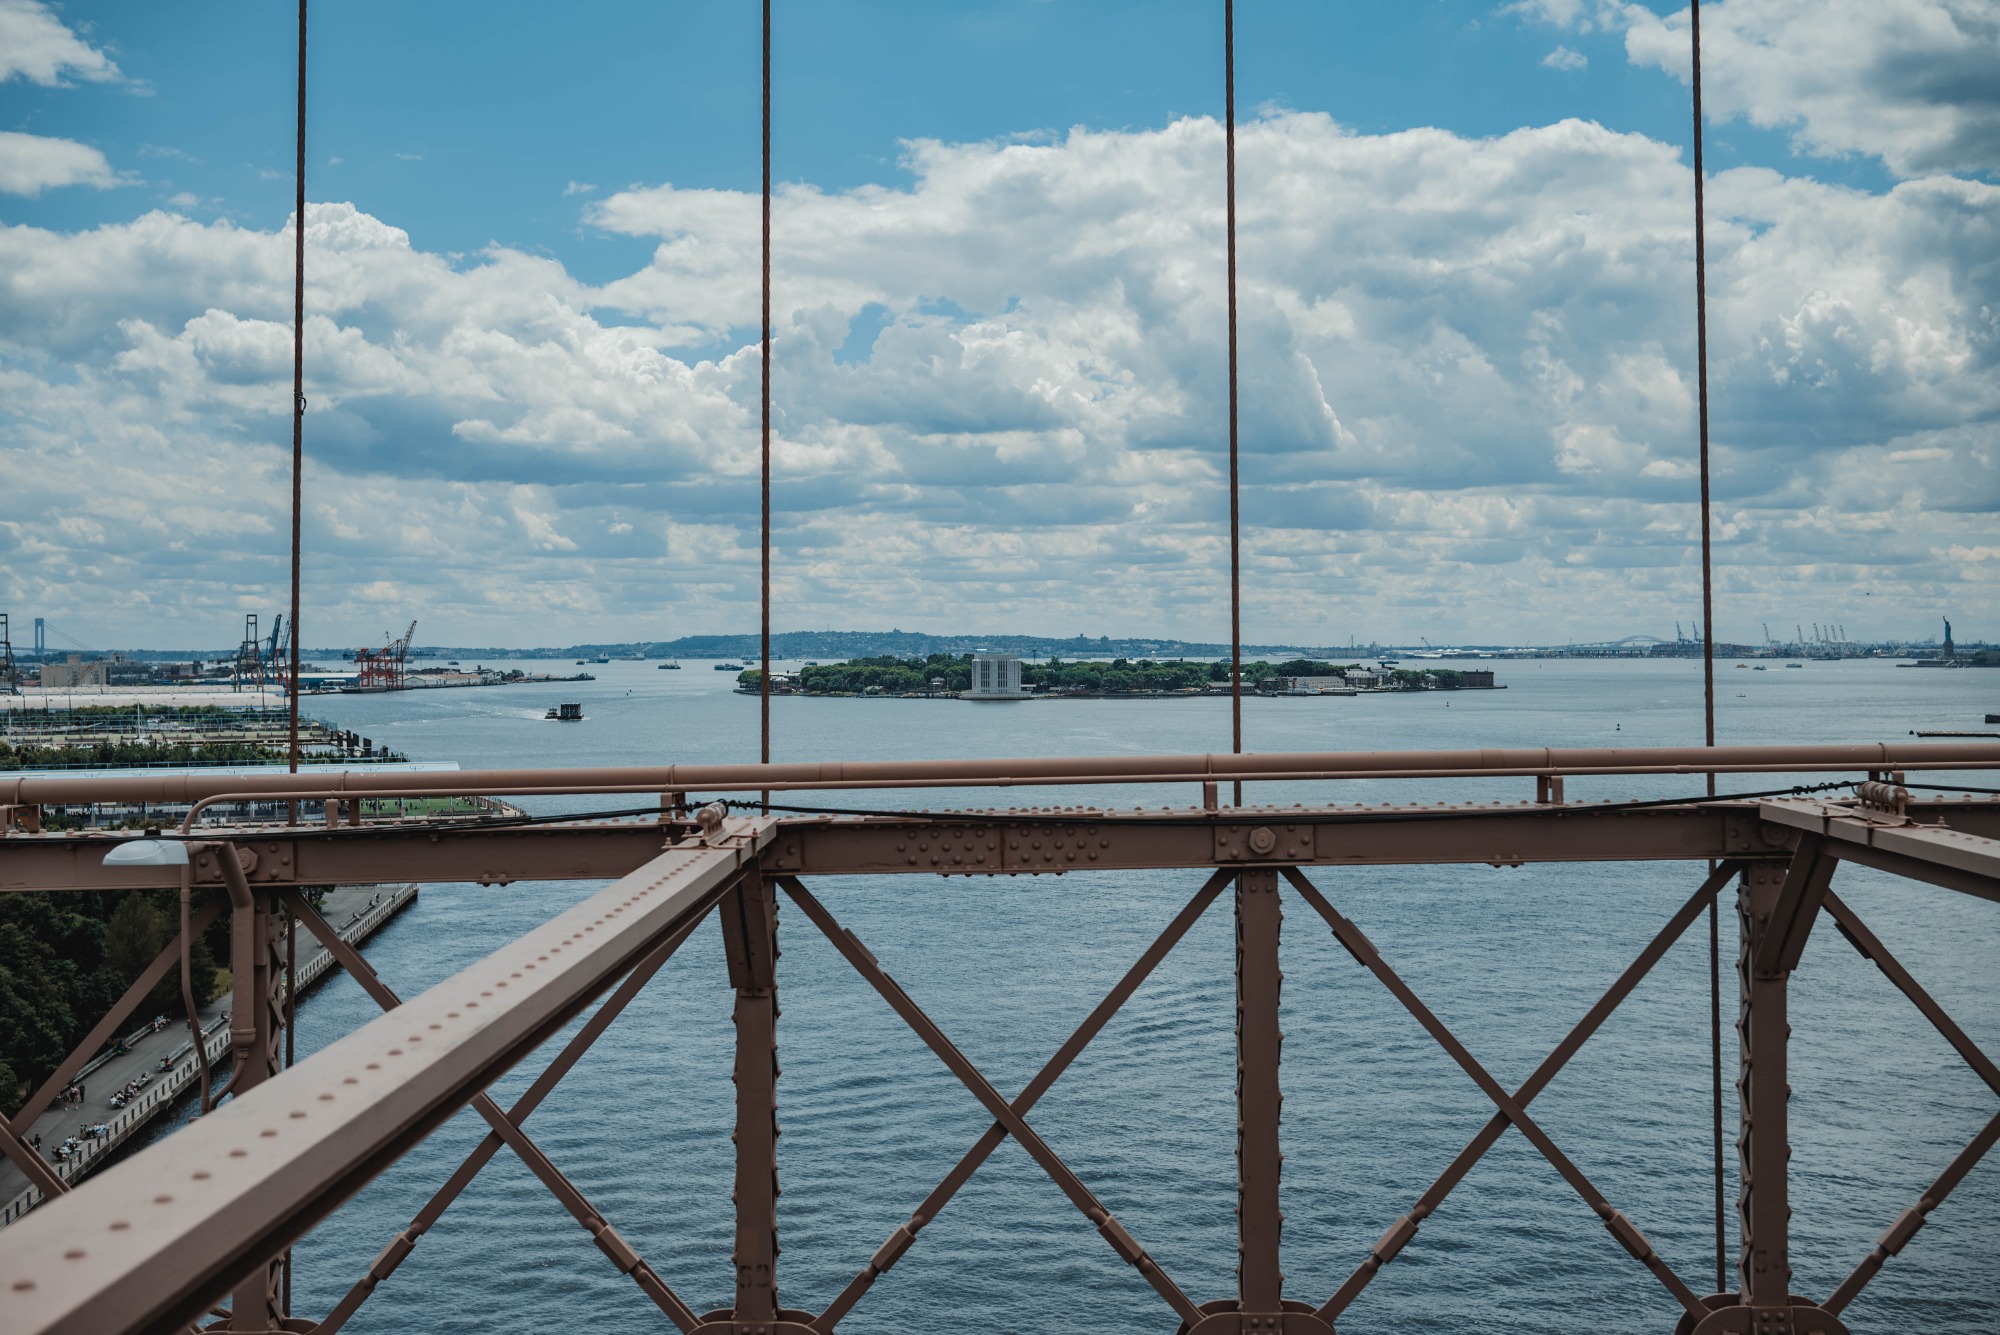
pixel 1262 840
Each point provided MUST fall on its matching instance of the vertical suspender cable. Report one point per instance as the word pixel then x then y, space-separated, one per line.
pixel 298 393
pixel 764 675
pixel 1235 549
pixel 298 511
pixel 1708 638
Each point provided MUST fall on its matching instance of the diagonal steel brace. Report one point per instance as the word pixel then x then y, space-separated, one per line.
pixel 433 1210
pixel 1906 1224
pixel 1405 1228
pixel 905 1235
pixel 982 1089
pixel 1620 1227
pixel 13 1134
pixel 607 1238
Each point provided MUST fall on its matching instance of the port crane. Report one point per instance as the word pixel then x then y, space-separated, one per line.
pixel 249 666
pixel 276 665
pixel 385 669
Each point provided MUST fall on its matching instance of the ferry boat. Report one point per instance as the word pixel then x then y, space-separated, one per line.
pixel 670 667
pixel 566 714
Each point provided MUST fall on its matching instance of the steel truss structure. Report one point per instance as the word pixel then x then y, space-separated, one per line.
pixel 156 1242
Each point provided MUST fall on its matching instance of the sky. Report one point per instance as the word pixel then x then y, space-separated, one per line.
pixel 1467 319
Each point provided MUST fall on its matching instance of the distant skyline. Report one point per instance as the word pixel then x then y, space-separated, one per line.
pixel 1467 318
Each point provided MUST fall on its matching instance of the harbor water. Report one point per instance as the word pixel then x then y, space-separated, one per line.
pixel 1509 958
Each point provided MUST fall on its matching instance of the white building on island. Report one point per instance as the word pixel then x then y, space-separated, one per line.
pixel 996 677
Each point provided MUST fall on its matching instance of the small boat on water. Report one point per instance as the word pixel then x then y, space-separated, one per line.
pixel 1795 665
pixel 670 667
pixel 566 714
pixel 728 667
pixel 1760 668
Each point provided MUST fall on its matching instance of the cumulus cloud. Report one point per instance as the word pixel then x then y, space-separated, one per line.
pixel 32 163
pixel 999 390
pixel 1910 82
pixel 36 45
pixel 1562 58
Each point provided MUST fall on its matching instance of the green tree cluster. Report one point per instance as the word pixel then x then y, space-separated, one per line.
pixel 894 676
pixel 66 958
pixel 126 754
pixel 889 675
pixel 111 754
pixel 1426 679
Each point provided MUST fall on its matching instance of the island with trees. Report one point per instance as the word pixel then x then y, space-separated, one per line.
pixel 946 676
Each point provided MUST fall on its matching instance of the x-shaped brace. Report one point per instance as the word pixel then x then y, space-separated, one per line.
pixel 1008 1117
pixel 1906 1224
pixel 506 1128
pixel 1405 1228
pixel 1512 1108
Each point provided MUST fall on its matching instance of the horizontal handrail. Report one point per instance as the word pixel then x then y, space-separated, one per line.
pixel 1025 771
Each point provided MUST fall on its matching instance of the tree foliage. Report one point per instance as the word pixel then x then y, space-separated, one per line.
pixel 1120 676
pixel 64 961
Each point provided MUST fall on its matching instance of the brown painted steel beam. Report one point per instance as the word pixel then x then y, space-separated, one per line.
pixel 1025 842
pixel 400 1247
pixel 147 1244
pixel 1260 1220
pixel 1782 940
pixel 255 1017
pixel 1021 841
pixel 368 855
pixel 1906 1225
pixel 749 918
pixel 1028 770
pixel 1357 944
pixel 1951 852
pixel 1399 1233
pixel 1872 949
pixel 1763 1203
pixel 103 1032
pixel 567 1194
pixel 1898 1234
pixel 900 1241
pixel 1081 1196
pixel 1016 842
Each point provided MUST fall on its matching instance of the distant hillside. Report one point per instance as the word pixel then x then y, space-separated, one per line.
pixel 835 645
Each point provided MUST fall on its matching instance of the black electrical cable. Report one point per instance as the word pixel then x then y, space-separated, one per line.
pixel 1170 819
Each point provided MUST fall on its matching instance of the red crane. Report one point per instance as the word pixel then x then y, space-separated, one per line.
pixel 383 669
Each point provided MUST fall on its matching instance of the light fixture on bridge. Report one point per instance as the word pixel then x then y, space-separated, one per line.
pixel 148 853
